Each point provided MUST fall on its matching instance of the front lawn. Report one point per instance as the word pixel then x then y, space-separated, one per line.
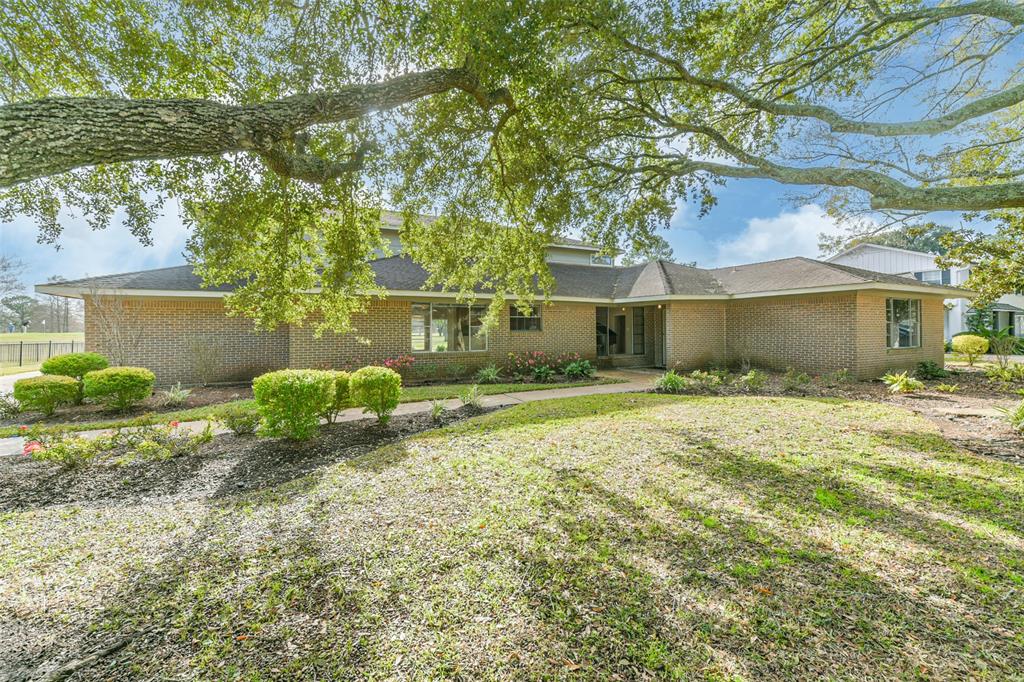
pixel 629 536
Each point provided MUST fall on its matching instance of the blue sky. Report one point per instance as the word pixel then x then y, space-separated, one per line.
pixel 753 221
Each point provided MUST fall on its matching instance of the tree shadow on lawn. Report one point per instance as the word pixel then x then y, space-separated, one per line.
pixel 620 588
pixel 635 595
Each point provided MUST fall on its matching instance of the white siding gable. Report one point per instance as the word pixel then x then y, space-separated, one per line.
pixel 883 259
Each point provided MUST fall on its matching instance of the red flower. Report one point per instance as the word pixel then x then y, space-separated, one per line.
pixel 174 423
pixel 31 446
pixel 23 428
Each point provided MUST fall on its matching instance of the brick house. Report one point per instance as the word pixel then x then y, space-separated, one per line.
pixel 796 312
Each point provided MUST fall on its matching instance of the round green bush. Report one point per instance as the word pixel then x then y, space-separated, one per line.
pixel 75 365
pixel 970 345
pixel 45 393
pixel 292 401
pixel 119 387
pixel 377 390
pixel 341 398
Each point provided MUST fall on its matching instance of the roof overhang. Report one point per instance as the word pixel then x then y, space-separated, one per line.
pixel 946 292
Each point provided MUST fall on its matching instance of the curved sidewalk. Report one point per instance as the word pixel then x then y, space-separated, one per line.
pixel 635 380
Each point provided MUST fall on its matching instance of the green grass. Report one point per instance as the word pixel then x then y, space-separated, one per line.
pixel 411 394
pixel 6 370
pixel 41 337
pixel 630 536
pixel 414 394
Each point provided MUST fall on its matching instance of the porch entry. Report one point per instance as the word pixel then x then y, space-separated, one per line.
pixel 634 335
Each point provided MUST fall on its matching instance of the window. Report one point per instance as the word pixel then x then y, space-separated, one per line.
pixel 447 328
pixel 638 331
pixel 903 323
pixel 933 276
pixel 600 260
pixel 517 322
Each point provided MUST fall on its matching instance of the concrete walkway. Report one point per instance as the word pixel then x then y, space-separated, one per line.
pixel 634 380
pixel 7 381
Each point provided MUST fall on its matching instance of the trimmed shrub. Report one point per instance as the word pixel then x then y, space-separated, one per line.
pixel 241 421
pixel 376 390
pixel 75 365
pixel 341 396
pixel 45 393
pixel 970 345
pixel 9 407
pixel 291 401
pixel 119 387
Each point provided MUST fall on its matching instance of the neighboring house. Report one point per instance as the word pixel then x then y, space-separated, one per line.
pixel 795 312
pixel 1008 311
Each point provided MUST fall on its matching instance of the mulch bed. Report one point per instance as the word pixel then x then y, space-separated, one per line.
pixel 229 465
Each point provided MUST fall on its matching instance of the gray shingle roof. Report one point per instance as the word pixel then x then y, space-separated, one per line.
pixel 649 280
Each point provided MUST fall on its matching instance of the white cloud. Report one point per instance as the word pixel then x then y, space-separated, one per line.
pixel 791 233
pixel 84 252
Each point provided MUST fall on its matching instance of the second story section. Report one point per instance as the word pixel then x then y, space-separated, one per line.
pixel 565 250
pixel 889 259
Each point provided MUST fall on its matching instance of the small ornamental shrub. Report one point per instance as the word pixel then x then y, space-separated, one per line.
pixel 148 443
pixel 1002 344
pixel 670 382
pixel 472 398
pixel 489 374
pixel 341 399
pixel 996 374
pixel 902 383
pixel 578 370
pixel 947 388
pixel 75 365
pixel 455 370
pixel 522 365
pixel 709 382
pixel 291 401
pixel 175 396
pixel 795 382
pixel 119 387
pixel 563 360
pixel 837 378
pixel 241 421
pixel 543 373
pixel 437 409
pixel 45 393
pixel 1015 416
pixel 971 346
pixel 929 369
pixel 376 390
pixel 400 364
pixel 9 407
pixel 754 380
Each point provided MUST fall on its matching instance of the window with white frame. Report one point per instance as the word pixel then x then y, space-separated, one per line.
pixel 447 328
pixel 903 323
pixel 596 259
pixel 518 322
pixel 933 276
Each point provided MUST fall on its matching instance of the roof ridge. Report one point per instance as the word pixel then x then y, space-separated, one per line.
pixel 759 262
pixel 664 277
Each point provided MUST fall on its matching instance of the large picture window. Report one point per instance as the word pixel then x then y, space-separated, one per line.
pixel 638 331
pixel 903 323
pixel 447 328
pixel 517 322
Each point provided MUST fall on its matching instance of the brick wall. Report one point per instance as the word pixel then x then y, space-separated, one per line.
pixel 176 331
pixel 694 333
pixel 818 333
pixel 812 333
pixel 873 358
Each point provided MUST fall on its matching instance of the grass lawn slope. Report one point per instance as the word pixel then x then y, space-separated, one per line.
pixel 607 537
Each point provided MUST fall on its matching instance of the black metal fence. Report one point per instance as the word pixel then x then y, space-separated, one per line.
pixel 22 353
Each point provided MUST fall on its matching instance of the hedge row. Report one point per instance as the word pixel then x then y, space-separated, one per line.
pixel 69 378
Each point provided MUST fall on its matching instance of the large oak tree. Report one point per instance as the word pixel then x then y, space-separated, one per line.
pixel 282 128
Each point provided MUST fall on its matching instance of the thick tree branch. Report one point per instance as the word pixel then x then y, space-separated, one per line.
pixel 1012 13
pixel 48 136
